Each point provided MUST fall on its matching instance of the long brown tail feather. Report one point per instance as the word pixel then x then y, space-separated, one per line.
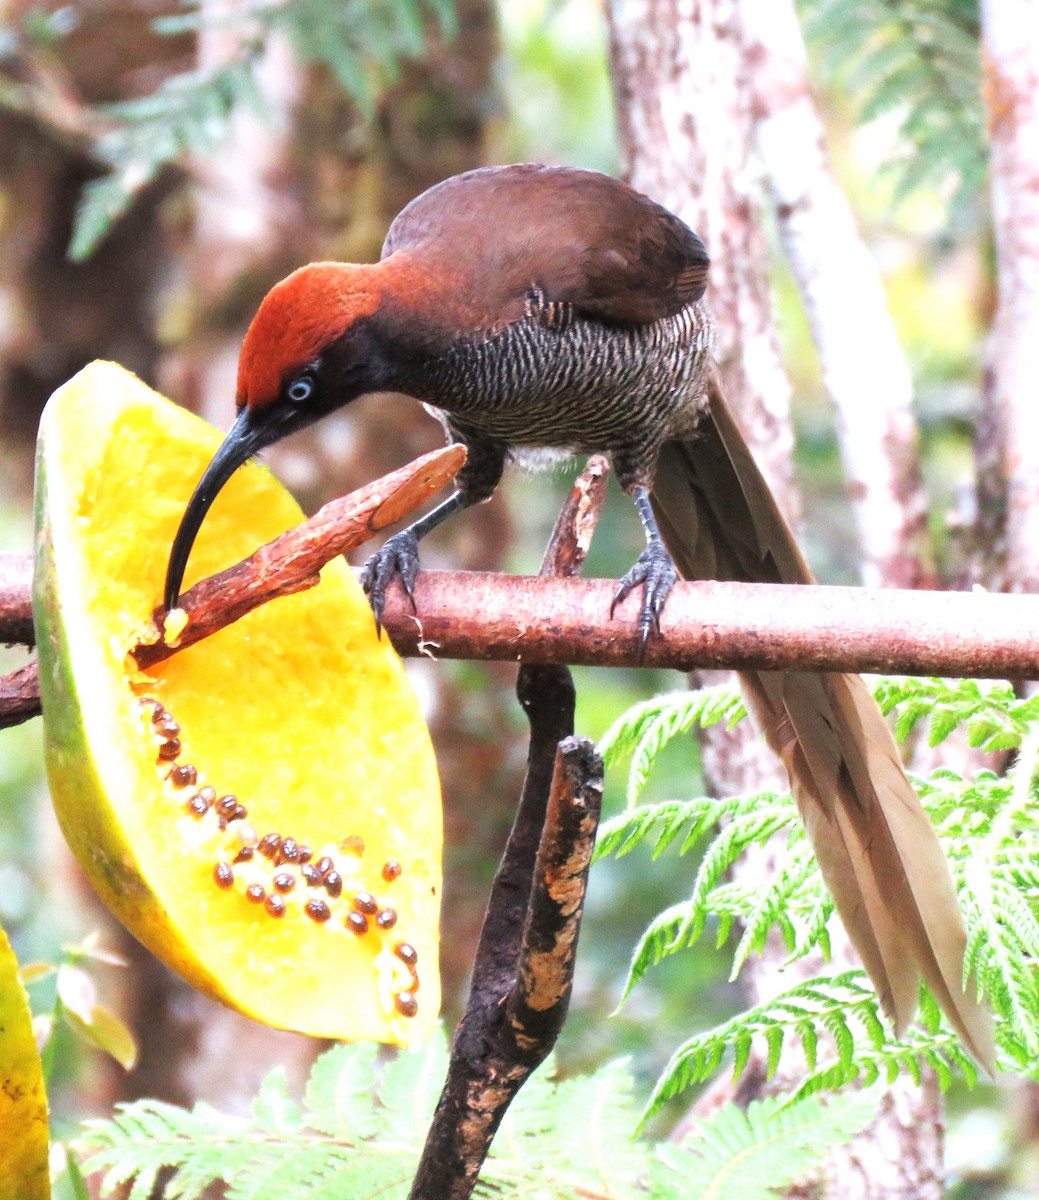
pixel 876 847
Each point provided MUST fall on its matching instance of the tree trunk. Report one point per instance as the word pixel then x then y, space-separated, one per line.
pixel 1010 31
pixel 697 86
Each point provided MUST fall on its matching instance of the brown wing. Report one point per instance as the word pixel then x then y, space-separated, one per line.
pixel 581 236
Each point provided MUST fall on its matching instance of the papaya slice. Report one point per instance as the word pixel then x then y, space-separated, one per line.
pixel 262 809
pixel 24 1166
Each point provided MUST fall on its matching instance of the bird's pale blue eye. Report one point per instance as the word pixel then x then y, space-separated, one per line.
pixel 300 390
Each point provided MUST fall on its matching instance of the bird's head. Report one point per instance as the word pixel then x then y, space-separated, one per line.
pixel 307 352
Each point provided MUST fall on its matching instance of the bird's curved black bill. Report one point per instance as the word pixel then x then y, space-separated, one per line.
pixel 244 439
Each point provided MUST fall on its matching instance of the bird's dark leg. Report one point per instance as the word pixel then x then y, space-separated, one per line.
pixel 398 555
pixel 653 570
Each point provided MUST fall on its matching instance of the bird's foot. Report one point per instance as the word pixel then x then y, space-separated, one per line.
pixel 397 559
pixel 655 573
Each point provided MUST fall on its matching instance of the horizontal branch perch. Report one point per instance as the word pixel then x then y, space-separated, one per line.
pixel 751 626
pixel 741 626
pixel 566 620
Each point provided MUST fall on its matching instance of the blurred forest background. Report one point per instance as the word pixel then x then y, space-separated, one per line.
pixel 278 134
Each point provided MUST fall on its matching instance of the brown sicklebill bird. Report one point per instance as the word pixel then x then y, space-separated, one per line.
pixel 539 307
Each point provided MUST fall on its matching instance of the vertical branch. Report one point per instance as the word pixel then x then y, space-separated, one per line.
pixel 505 1034
pixel 523 971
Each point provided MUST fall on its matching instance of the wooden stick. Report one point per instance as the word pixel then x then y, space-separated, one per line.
pixel 292 561
pixel 753 626
pixel 523 971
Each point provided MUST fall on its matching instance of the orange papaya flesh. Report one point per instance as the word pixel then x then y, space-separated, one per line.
pixel 24 1142
pixel 261 810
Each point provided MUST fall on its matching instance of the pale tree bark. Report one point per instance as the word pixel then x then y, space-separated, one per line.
pixel 863 367
pixel 1010 33
pixel 697 87
pixel 684 125
pixel 1008 468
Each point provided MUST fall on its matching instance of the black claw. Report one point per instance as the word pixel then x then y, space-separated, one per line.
pixel 398 559
pixel 655 573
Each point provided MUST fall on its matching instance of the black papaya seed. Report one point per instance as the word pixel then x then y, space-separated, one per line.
pixel 269 845
pixel 317 910
pixel 183 775
pixel 406 952
pixel 406 1004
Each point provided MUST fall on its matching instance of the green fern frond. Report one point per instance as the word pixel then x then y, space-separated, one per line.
pixel 646 728
pixel 989 825
pixel 272 1110
pixel 361 45
pixel 559 1139
pixel 940 1051
pixel 920 61
pixel 754 1153
pixel 147 1137
pixel 777 906
pixel 747 820
pixel 339 1092
pixel 995 718
pixel 186 113
pixel 691 820
pixel 666 821
pixel 358 1133
pixel 842 1006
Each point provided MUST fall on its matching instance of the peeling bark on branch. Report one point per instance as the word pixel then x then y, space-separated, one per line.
pixel 291 562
